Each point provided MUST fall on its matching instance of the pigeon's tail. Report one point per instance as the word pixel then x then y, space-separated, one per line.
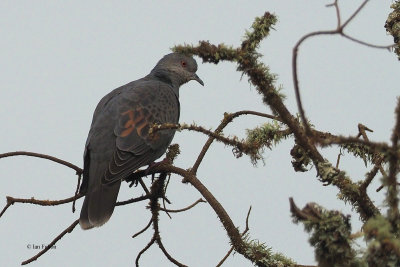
pixel 99 205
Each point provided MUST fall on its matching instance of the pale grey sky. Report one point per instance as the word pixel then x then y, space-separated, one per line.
pixel 58 58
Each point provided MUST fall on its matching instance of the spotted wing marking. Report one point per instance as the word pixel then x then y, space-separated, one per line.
pixel 138 120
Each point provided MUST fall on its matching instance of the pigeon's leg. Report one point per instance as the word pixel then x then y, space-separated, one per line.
pixel 133 179
pixel 155 165
pixel 133 182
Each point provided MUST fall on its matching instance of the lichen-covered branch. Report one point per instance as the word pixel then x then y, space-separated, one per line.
pixel 259 75
pixel 383 244
pixel 330 235
pixel 392 196
pixel 228 117
pixel 241 146
pixel 392 26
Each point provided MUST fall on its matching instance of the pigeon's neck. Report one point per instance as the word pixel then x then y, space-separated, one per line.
pixel 169 78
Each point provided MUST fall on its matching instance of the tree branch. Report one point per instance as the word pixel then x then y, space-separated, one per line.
pixel 231 249
pixel 68 230
pixel 338 30
pixel 184 209
pixel 43 156
pixel 228 117
pixel 12 200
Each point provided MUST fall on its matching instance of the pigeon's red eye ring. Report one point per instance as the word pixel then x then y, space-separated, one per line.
pixel 183 63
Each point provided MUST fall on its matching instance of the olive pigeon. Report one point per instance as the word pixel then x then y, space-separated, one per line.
pixel 119 143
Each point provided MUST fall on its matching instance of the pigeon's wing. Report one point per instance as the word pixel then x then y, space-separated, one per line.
pixel 100 145
pixel 97 135
pixel 151 103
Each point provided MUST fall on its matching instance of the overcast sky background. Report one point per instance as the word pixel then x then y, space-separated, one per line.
pixel 59 58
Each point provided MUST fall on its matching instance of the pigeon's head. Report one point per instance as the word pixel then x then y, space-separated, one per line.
pixel 177 69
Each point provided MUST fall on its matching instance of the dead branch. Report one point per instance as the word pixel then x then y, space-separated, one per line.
pixel 52 243
pixel 43 156
pixel 144 229
pixel 12 200
pixel 132 200
pixel 143 251
pixel 184 209
pixel 339 30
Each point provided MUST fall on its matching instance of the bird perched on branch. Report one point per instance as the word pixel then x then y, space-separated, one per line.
pixel 119 143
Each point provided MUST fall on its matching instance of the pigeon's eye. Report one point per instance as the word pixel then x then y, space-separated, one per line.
pixel 183 63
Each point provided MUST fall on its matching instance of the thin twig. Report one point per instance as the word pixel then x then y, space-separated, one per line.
pixel 144 250
pixel 163 199
pixel 354 14
pixel 170 258
pixel 247 222
pixel 12 200
pixel 296 79
pixel 369 177
pixel 338 158
pixel 338 30
pixel 377 159
pixel 52 243
pixel 43 202
pixel 144 229
pixel 144 186
pixel 76 191
pixel 362 131
pixel 388 47
pixel 43 156
pixel 337 9
pixel 164 208
pixel 132 200
pixel 184 209
pixel 5 208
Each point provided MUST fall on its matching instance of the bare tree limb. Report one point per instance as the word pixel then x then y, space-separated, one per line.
pixel 43 156
pixel 76 191
pixel 144 229
pixel 52 243
pixel 169 257
pixel 132 200
pixel 184 209
pixel 338 30
pixel 12 200
pixel 144 250
pixel 354 14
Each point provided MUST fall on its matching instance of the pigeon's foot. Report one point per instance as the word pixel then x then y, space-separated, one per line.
pixel 155 165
